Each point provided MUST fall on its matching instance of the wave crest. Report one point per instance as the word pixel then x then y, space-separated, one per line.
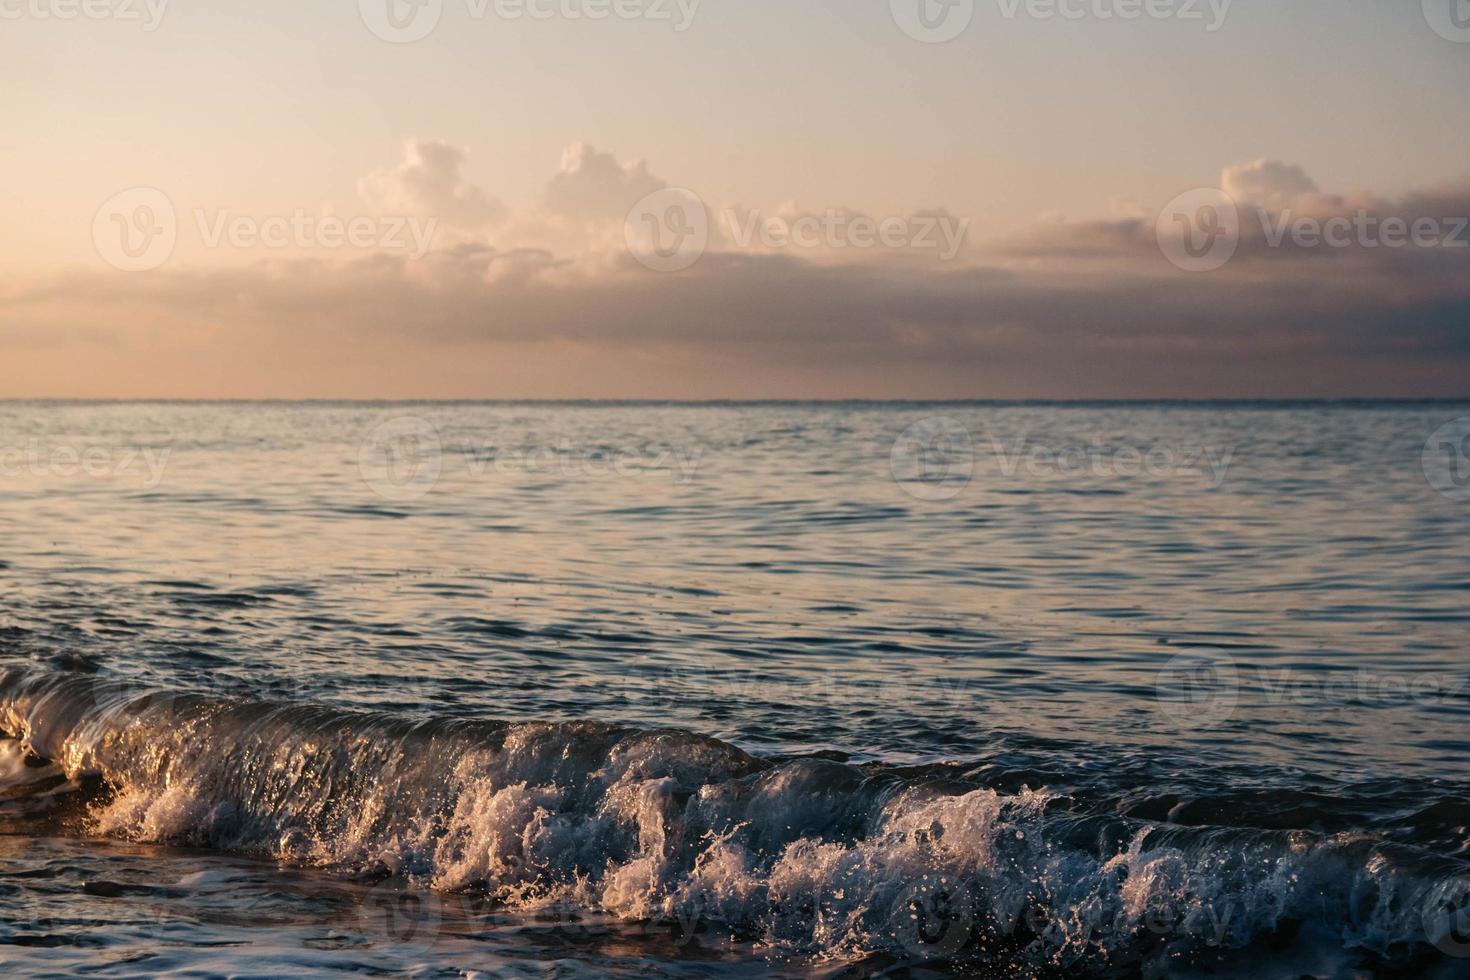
pixel 807 856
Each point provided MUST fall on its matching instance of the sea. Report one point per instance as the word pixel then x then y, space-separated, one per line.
pixel 861 689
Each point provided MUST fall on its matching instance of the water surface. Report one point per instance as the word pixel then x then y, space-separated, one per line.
pixel 695 690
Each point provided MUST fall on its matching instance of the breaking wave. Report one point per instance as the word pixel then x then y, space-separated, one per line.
pixel 803 856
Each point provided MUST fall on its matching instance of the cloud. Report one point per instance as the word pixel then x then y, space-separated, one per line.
pixel 593 186
pixel 1127 207
pixel 1068 310
pixel 1266 183
pixel 429 183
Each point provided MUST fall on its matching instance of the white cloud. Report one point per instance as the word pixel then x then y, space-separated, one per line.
pixel 429 183
pixel 593 186
pixel 1270 184
pixel 1069 310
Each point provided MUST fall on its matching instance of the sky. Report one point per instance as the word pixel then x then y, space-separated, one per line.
pixel 734 199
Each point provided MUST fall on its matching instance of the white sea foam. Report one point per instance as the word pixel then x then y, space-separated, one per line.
pixel 804 856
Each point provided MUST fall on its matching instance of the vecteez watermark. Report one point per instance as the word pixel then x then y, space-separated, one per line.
pixel 1362 230
pixel 1209 14
pixel 404 458
pixel 303 230
pixel 671 229
pixel 1205 688
pixel 938 21
pixel 678 14
pixel 653 687
pixel 838 230
pixel 138 229
pixel 936 458
pixel 1101 460
pixel 408 21
pixel 1201 230
pixel 43 460
pixel 146 14
pixel 928 915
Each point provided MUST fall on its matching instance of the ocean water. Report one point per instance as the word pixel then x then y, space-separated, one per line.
pixel 530 690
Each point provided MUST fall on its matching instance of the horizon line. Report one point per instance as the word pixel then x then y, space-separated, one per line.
pixel 714 402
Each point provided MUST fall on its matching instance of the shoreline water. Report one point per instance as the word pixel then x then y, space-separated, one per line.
pixel 860 699
pixel 806 859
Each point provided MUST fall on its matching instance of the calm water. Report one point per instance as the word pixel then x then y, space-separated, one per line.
pixel 532 690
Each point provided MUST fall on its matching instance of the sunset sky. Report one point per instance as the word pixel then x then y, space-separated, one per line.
pixel 516 146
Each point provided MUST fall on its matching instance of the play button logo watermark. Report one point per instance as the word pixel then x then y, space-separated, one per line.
pixel 1199 230
pixel 1450 19
pixel 933 459
pixel 401 21
pixel 933 21
pixel 401 458
pixel 135 230
pixel 1446 460
pixel 1199 689
pixel 668 230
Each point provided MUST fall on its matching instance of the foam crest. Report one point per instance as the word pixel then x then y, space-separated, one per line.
pixel 805 856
